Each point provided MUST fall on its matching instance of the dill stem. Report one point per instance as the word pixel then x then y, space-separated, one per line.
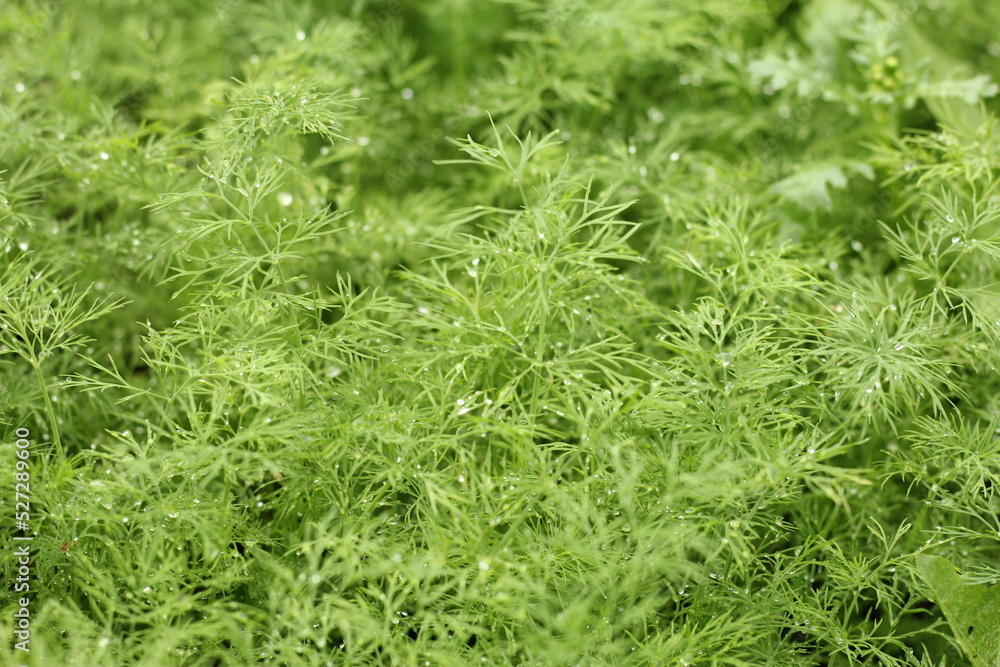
pixel 49 410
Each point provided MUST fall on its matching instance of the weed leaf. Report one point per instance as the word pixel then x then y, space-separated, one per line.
pixel 972 611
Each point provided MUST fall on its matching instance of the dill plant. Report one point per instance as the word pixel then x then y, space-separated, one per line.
pixel 507 333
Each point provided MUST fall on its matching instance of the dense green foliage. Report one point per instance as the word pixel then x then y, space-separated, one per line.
pixel 508 332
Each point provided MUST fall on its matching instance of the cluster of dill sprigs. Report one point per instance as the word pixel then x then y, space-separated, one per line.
pixel 509 332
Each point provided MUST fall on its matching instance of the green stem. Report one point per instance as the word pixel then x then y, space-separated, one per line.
pixel 543 320
pixel 56 440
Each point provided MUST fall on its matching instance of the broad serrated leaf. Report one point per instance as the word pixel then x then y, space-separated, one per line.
pixel 807 187
pixel 970 90
pixel 784 72
pixel 972 611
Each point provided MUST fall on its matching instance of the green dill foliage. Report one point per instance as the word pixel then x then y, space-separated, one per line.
pixel 507 332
